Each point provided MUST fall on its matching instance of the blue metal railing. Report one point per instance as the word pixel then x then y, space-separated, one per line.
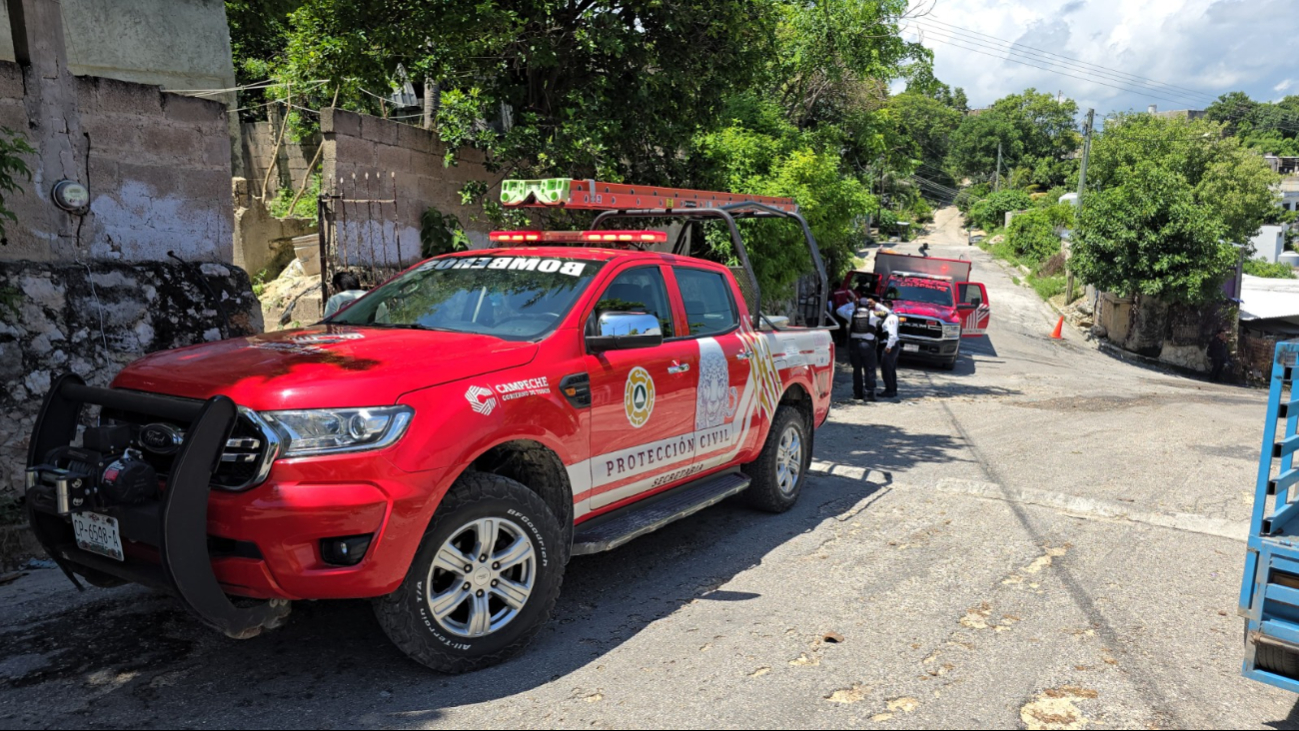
pixel 1269 593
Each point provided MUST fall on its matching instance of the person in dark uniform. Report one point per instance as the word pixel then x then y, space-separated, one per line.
pixel 1219 355
pixel 863 323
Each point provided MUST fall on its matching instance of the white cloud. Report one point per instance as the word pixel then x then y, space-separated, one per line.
pixel 1196 49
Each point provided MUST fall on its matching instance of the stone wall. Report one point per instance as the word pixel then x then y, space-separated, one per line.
pixel 158 173
pixel 290 161
pixel 94 318
pixel 1176 335
pixel 370 158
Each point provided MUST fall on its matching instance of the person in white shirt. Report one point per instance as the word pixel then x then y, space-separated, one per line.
pixel 889 358
pixel 347 288
pixel 863 323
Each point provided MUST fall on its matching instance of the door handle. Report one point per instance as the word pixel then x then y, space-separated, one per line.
pixel 742 355
pixel 679 368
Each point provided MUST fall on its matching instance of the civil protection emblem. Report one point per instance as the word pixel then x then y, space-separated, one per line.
pixel 638 397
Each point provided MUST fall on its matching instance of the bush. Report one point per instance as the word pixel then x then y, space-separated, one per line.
pixel 1032 235
pixel 990 212
pixel 967 197
pixel 1260 268
pixel 921 212
pixel 1050 198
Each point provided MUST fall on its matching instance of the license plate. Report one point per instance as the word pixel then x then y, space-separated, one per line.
pixel 97 534
pixel 910 348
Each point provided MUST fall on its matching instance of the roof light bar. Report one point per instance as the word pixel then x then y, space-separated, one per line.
pixel 578 237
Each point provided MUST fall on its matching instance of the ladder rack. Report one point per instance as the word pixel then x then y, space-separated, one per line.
pixel 592 195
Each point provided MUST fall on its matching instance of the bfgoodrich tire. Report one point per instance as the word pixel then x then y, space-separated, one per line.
pixel 484 580
pixel 779 471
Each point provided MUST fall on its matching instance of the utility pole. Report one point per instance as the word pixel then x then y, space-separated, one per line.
pixel 431 92
pixel 997 184
pixel 1082 187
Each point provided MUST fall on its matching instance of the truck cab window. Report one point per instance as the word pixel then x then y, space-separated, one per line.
pixel 639 290
pixel 710 308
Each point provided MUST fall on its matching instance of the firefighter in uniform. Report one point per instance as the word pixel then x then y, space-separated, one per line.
pixel 863 326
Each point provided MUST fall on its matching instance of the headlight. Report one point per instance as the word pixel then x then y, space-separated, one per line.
pixel 331 431
pixel 951 331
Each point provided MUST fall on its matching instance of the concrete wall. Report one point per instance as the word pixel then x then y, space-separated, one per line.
pixel 402 160
pixel 262 242
pixel 159 176
pixel 257 142
pixel 1269 243
pixel 174 44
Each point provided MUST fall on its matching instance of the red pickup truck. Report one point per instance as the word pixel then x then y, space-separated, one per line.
pixel 442 445
pixel 935 304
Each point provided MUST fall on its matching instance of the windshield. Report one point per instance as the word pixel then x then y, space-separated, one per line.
pixel 509 297
pixel 925 291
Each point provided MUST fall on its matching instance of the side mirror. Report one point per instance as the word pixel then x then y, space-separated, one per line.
pixel 624 331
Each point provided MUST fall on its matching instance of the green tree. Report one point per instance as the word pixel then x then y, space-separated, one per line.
pixel 596 87
pixel 924 130
pixel 1232 182
pixel 1168 199
pixel 990 213
pixel 1148 235
pixel 1269 127
pixel 1035 131
pixel 259 31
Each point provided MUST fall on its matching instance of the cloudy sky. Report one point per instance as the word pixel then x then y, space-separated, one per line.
pixel 1189 50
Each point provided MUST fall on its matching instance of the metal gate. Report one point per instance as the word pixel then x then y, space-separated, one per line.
pixel 360 232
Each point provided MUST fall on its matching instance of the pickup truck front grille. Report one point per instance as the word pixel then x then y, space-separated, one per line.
pixel 920 327
pixel 244 463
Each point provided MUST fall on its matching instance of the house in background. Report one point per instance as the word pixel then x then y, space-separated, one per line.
pixel 1188 114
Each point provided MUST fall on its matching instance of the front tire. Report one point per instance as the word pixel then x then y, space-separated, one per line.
pixel 780 470
pixel 483 581
pixel 948 365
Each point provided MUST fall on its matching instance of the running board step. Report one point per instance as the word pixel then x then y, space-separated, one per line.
pixel 635 521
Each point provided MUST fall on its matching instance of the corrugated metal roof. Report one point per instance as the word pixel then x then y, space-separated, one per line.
pixel 1269 299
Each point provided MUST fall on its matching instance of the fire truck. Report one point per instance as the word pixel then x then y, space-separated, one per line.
pixel 935 302
pixel 445 443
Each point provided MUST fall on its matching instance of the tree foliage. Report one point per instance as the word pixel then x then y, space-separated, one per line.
pixel 1232 182
pixel 1148 235
pixel 1036 133
pixel 1268 127
pixel 1170 198
pixel 990 213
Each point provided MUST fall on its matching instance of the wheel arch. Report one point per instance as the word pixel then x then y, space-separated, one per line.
pixel 540 469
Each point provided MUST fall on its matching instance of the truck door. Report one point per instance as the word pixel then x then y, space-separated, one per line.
pixel 642 400
pixel 976 313
pixel 724 400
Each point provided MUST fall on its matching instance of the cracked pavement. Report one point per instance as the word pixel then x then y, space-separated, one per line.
pixel 1044 538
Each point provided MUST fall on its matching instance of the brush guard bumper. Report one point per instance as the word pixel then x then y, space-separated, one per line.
pixel 174 524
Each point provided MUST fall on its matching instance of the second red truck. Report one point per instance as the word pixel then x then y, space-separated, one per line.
pixel 936 304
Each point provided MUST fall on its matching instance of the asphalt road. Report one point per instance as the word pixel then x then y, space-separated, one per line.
pixel 1045 537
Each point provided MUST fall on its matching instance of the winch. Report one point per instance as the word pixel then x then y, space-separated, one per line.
pixel 105 470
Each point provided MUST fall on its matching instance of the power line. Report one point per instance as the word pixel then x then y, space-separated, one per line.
pixel 1072 61
pixel 960 43
pixel 1132 83
pixel 954 42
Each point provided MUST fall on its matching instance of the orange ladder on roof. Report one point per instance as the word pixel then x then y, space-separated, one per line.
pixel 592 195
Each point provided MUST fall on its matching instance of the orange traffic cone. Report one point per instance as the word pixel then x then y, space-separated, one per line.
pixel 1057 334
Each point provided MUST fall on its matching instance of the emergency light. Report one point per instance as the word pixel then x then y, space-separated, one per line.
pixel 578 237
